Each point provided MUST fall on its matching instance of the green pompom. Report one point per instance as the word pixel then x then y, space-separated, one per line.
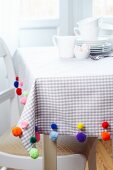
pixel 34 153
pixel 33 139
pixel 25 93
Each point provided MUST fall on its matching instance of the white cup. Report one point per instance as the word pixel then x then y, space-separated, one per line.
pixel 65 45
pixel 88 28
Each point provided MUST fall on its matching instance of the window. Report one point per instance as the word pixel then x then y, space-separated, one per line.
pixel 39 9
pixel 102 7
pixel 39 21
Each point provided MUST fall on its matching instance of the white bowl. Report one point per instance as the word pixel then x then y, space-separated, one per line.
pixel 81 54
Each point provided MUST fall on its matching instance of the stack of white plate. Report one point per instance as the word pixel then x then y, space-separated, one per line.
pixel 101 45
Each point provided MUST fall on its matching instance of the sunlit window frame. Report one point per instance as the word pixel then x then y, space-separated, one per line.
pixel 40 23
pixel 101 9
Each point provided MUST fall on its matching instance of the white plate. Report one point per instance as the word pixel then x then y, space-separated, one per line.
pixel 105 48
pixel 91 43
pixel 100 52
pixel 99 40
pixel 106 26
pixel 102 45
pixel 100 49
pixel 105 45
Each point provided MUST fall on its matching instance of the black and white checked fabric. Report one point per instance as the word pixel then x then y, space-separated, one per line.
pixel 68 101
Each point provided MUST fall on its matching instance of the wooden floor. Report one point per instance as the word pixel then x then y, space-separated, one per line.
pixel 104 156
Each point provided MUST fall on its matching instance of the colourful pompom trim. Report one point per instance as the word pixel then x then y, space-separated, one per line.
pixel 17 131
pixel 33 140
pixel 16 84
pixel 34 153
pixel 21 83
pixel 24 124
pixel 81 137
pixel 105 124
pixel 105 136
pixel 53 135
pixel 80 126
pixel 17 78
pixel 37 135
pixel 23 100
pixel 25 93
pixel 54 126
pixel 36 128
pixel 18 91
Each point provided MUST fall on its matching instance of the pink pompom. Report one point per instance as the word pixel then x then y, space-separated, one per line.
pixel 37 135
pixel 24 124
pixel 21 83
pixel 23 100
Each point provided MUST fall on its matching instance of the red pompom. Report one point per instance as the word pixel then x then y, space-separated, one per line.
pixel 105 136
pixel 17 78
pixel 37 135
pixel 105 125
pixel 19 91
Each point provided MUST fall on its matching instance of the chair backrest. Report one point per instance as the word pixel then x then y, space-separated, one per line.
pixel 10 92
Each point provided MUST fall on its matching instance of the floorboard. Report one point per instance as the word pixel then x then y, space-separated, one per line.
pixel 104 156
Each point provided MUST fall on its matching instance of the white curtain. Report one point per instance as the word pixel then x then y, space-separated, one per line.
pixel 9 22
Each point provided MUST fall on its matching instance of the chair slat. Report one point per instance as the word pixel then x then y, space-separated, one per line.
pixel 7 94
pixel 2 50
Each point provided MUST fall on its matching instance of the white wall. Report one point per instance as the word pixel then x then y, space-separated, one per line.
pixel 37 33
pixel 78 9
pixel 81 9
pixel 37 37
pixel 73 11
pixel 40 33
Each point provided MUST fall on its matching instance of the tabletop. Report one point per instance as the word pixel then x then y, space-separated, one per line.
pixel 65 91
pixel 44 61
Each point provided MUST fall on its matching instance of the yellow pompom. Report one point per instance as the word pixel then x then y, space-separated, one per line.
pixel 80 126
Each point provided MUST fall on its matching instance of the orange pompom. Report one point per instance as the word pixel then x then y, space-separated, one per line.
pixel 105 136
pixel 17 131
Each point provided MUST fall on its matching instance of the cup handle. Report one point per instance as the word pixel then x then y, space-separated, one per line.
pixel 55 40
pixel 76 31
pixel 100 21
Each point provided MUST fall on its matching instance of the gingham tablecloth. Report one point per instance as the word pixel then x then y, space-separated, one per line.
pixel 68 99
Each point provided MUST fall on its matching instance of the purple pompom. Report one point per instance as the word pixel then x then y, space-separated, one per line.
pixel 81 137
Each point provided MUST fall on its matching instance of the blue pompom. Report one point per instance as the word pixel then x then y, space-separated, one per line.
pixel 16 84
pixel 53 136
pixel 36 128
pixel 81 137
pixel 54 126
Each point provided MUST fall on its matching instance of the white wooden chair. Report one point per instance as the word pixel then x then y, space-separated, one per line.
pixel 12 153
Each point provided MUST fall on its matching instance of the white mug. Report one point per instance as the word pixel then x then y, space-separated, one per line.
pixel 65 45
pixel 88 28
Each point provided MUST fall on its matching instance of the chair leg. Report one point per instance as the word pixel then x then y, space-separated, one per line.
pixel 14 109
pixel 50 154
pixel 92 156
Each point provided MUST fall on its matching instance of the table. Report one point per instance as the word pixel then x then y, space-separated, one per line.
pixel 67 91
